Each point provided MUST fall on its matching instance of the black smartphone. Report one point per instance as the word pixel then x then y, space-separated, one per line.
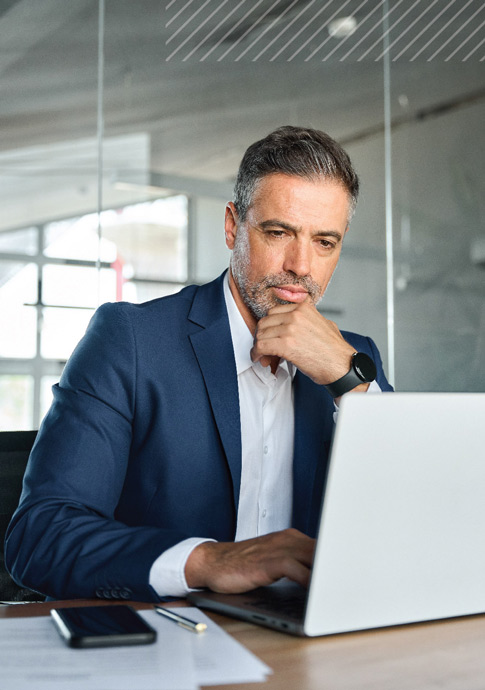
pixel 102 626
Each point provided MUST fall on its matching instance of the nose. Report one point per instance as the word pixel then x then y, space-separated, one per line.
pixel 298 258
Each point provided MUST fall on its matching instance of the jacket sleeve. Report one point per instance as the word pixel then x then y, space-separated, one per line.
pixel 365 344
pixel 381 377
pixel 64 540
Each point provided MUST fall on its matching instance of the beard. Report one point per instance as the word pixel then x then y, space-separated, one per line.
pixel 257 296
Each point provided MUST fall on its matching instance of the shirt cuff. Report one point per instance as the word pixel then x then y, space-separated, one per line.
pixel 167 574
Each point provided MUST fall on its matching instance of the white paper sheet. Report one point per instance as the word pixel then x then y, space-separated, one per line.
pixel 218 657
pixel 33 655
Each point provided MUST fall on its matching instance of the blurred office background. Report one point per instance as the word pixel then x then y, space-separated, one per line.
pixel 122 124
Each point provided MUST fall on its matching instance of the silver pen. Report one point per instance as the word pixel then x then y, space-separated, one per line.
pixel 180 620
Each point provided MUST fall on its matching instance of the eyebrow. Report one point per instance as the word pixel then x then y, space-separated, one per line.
pixel 293 228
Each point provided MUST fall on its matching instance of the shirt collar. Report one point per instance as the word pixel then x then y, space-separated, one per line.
pixel 242 339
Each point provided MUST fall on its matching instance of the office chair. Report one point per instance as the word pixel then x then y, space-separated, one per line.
pixel 15 448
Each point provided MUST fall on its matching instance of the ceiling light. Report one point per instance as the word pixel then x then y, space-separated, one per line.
pixel 342 27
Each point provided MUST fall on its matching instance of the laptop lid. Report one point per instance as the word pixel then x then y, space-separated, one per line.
pixel 401 537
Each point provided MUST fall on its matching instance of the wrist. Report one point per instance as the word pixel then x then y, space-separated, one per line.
pixel 361 373
pixel 337 368
pixel 198 565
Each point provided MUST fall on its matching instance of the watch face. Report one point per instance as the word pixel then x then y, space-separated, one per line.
pixel 364 367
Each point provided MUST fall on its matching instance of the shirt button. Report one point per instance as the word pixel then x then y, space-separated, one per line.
pixel 264 513
pixel 265 450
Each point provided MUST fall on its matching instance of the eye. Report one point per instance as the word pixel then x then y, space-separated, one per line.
pixel 326 244
pixel 276 233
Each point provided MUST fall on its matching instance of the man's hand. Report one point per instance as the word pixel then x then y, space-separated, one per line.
pixel 240 566
pixel 303 336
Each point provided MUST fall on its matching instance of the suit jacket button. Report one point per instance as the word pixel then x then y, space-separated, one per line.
pixel 125 593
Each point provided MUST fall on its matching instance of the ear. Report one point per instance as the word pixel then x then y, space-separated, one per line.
pixel 230 225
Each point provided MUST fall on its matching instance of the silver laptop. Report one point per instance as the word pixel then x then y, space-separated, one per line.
pixel 402 528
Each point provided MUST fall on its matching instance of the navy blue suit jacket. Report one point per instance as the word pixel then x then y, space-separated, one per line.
pixel 142 448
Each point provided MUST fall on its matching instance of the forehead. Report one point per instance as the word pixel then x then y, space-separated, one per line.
pixel 296 199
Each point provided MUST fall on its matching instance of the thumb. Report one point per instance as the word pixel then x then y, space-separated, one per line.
pixel 255 357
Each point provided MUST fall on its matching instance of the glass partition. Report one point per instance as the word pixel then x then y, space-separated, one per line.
pixel 123 125
pixel 48 170
pixel 439 222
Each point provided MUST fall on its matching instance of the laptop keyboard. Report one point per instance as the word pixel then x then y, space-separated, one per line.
pixel 292 605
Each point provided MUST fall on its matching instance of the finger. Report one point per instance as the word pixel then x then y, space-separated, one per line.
pixel 290 567
pixel 281 319
pixel 302 545
pixel 270 321
pixel 297 572
pixel 291 306
pixel 283 308
pixel 274 329
pixel 258 353
pixel 267 347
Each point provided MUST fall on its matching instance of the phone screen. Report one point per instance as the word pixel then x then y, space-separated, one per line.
pixel 100 626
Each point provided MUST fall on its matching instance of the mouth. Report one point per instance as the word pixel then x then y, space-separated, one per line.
pixel 290 293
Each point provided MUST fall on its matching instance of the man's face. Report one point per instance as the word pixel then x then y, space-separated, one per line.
pixel 287 248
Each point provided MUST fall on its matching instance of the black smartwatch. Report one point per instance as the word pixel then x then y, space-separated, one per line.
pixel 363 370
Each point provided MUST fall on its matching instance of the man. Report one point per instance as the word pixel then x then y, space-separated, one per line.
pixel 187 442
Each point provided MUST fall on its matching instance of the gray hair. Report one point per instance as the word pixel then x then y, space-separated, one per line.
pixel 304 152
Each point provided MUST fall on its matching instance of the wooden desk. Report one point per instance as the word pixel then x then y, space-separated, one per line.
pixel 449 655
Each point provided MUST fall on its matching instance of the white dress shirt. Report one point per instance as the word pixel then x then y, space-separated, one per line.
pixel 267 438
pixel 267 435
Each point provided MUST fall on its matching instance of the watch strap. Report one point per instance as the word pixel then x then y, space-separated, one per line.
pixel 355 376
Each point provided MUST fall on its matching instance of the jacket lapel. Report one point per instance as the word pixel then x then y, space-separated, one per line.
pixel 214 352
pixel 313 431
